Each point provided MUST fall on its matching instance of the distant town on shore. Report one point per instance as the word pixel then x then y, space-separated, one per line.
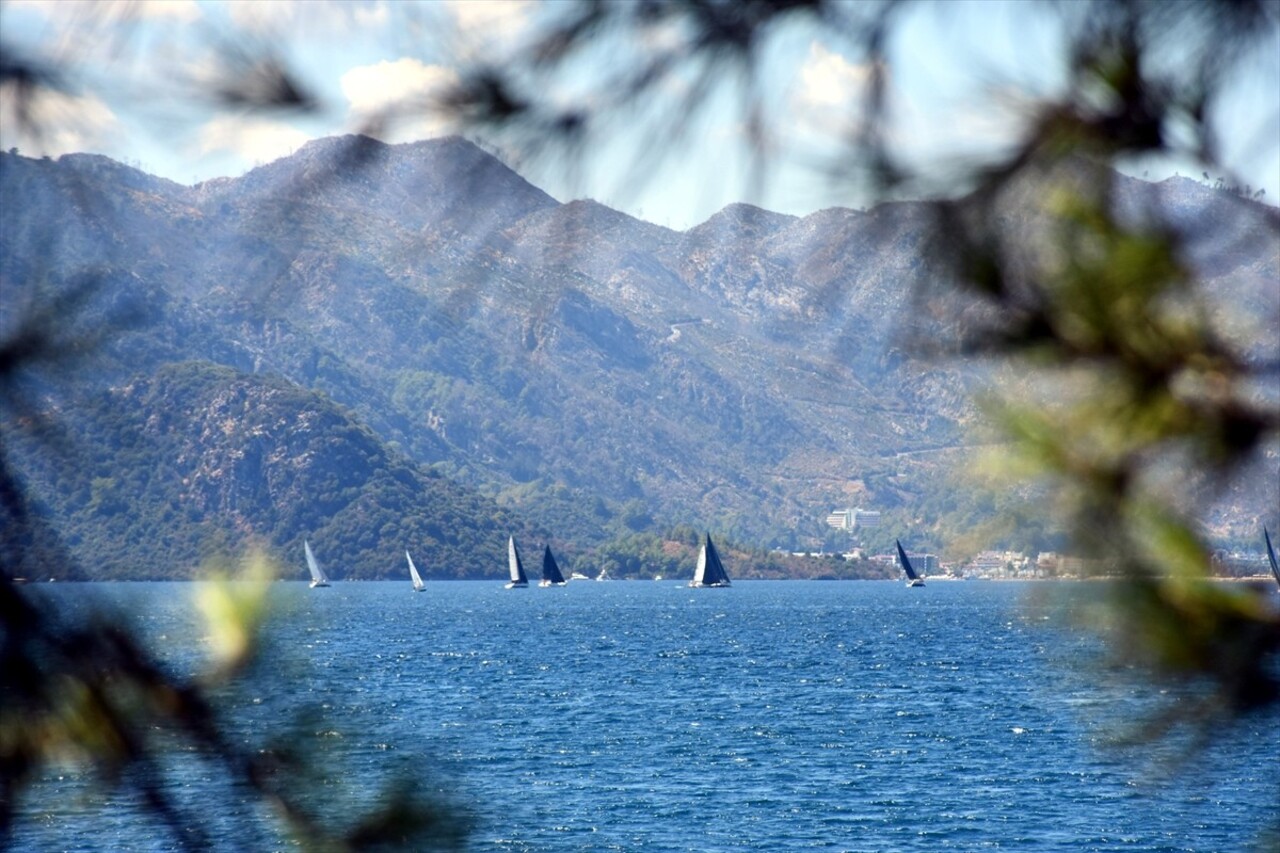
pixel 1008 565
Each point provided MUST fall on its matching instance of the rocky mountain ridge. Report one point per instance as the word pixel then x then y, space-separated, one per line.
pixel 565 360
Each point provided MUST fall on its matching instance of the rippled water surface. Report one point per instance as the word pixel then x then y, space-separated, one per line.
pixel 778 716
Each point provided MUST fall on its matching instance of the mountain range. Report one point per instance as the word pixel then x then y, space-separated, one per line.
pixel 411 346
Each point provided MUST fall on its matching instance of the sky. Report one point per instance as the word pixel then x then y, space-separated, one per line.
pixel 129 71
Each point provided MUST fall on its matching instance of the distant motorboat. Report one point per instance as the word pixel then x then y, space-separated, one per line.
pixel 578 576
pixel 515 565
pixel 418 585
pixel 318 577
pixel 710 571
pixel 551 575
pixel 1271 555
pixel 913 579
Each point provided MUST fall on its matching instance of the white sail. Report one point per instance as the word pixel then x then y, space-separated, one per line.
pixel 418 585
pixel 318 577
pixel 515 566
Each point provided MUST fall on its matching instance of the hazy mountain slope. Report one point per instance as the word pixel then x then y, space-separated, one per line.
pixel 565 359
pixel 198 459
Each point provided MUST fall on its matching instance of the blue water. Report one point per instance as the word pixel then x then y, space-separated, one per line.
pixel 772 716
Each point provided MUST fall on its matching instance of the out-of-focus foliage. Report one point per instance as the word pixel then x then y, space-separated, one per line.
pixel 83 688
pixel 86 692
pixel 1127 397
pixel 234 612
pixel 1100 312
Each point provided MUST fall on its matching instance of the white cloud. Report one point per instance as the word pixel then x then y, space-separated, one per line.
pixel 182 11
pixel 90 14
pixel 269 18
pixel 374 88
pixel 398 96
pixel 829 81
pixel 473 17
pixel 826 102
pixel 486 28
pixel 255 140
pixel 315 18
pixel 56 123
pixel 370 16
pixel 54 10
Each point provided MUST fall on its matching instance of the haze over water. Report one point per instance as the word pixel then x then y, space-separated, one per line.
pixel 775 715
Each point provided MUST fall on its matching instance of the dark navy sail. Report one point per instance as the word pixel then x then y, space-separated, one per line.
pixel 551 575
pixel 1271 555
pixel 710 571
pixel 913 579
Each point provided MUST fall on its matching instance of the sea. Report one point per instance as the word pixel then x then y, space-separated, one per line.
pixel 647 716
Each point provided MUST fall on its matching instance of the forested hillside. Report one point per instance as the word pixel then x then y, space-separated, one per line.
pixel 411 346
pixel 199 461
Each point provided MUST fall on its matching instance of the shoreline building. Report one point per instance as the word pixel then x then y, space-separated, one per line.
pixel 852 519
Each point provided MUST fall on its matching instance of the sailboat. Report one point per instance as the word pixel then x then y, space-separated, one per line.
pixel 518 577
pixel 1271 555
pixel 710 571
pixel 418 585
pixel 913 579
pixel 550 571
pixel 318 577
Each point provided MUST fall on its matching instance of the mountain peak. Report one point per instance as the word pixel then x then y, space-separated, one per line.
pixel 99 164
pixel 590 210
pixel 350 149
pixel 741 220
pixel 447 177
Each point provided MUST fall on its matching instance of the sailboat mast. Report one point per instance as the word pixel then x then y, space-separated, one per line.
pixel 1271 556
